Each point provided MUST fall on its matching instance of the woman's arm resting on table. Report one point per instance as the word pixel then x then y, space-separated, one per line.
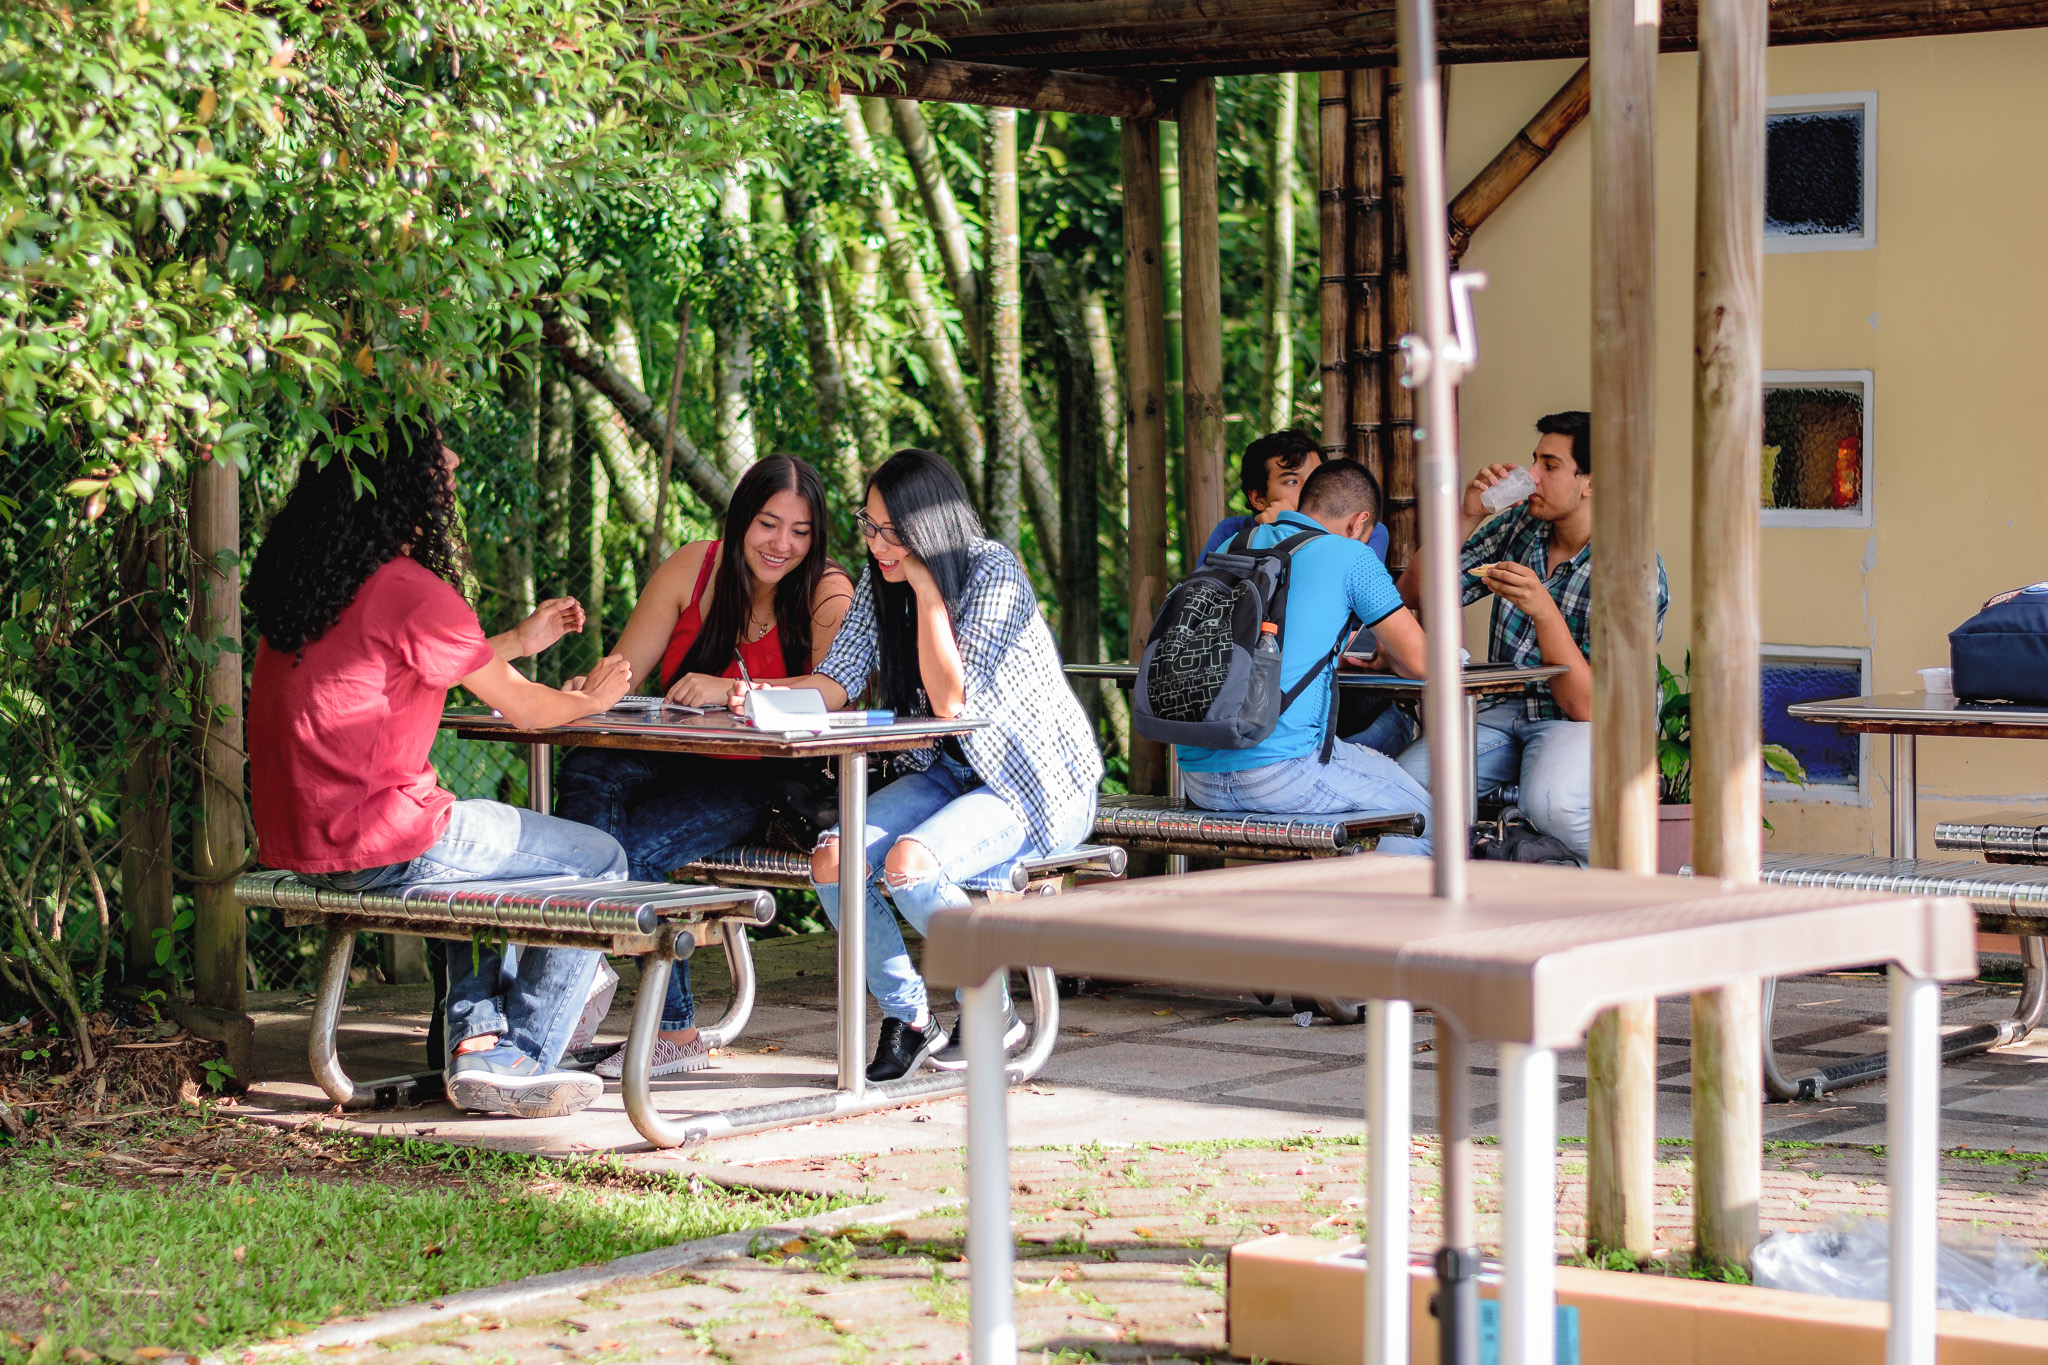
pixel 529 705
pixel 554 618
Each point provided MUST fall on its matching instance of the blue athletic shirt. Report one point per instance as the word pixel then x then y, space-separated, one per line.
pixel 1377 542
pixel 1332 578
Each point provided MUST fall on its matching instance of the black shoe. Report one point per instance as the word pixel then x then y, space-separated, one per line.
pixel 902 1049
pixel 953 1056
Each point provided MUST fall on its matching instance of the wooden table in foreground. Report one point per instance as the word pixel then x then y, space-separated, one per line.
pixel 1905 716
pixel 719 735
pixel 1525 962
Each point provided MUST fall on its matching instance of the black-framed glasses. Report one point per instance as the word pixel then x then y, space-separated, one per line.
pixel 872 530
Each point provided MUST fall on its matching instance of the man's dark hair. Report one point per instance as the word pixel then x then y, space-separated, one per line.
pixel 1290 448
pixel 1577 425
pixel 1341 488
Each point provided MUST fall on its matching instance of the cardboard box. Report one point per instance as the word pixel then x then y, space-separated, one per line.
pixel 1301 1301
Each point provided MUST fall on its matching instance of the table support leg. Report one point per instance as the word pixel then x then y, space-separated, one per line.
pixel 1389 1043
pixel 990 1253
pixel 1457 1260
pixel 1905 796
pixel 853 921
pixel 1912 1122
pixel 540 778
pixel 1472 755
pixel 1528 1290
pixel 1176 863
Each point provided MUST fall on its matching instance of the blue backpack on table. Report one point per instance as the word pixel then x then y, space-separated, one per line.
pixel 2001 653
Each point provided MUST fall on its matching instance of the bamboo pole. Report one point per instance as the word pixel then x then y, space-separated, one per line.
pixel 1366 106
pixel 1276 380
pixel 1176 352
pixel 1202 316
pixel 1333 217
pixel 1517 161
pixel 221 841
pixel 1621 1046
pixel 146 887
pixel 1144 408
pixel 942 210
pixel 1727 774
pixel 1003 488
pixel 1404 526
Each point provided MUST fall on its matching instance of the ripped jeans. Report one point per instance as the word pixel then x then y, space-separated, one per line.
pixel 968 830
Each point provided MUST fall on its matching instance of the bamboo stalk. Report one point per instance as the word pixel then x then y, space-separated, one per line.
pixel 146 888
pixel 1144 408
pixel 1404 525
pixel 221 840
pixel 1276 314
pixel 1621 1094
pixel 1727 771
pixel 1003 481
pixel 1517 161
pixel 1333 217
pixel 1366 100
pixel 1176 350
pixel 1202 315
pixel 942 210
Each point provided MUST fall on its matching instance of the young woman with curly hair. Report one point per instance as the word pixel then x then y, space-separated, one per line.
pixel 949 623
pixel 363 631
pixel 765 593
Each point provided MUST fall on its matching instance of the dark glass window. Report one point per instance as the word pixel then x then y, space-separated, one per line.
pixel 1813 448
pixel 1830 756
pixel 1813 173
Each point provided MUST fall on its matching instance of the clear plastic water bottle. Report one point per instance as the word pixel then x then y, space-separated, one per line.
pixel 1512 488
pixel 1269 639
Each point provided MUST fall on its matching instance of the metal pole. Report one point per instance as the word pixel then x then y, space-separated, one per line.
pixel 1457 1260
pixel 853 922
pixel 540 778
pixel 1435 365
pixel 1912 1165
pixel 1389 1042
pixel 1905 796
pixel 1472 748
pixel 990 1279
pixel 1528 1078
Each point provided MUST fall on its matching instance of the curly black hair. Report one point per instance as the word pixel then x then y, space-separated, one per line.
pixel 345 519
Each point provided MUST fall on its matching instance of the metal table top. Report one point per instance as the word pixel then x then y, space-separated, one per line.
pixel 1478 679
pixel 1925 713
pixel 716 734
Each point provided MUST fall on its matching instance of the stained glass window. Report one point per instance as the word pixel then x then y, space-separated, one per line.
pixel 1833 760
pixel 1819 170
pixel 1816 448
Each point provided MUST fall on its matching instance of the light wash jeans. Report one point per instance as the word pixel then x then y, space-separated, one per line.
pixel 968 830
pixel 1552 760
pixel 1355 778
pixel 530 996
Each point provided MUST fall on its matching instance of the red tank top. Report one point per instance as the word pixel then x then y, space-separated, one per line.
pixel 763 656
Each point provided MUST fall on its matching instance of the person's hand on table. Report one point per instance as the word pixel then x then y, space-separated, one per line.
pixel 554 618
pixel 605 684
pixel 1470 505
pixel 700 689
pixel 1520 586
pixel 736 698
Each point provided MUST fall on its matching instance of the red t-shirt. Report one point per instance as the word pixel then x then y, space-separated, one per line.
pixel 339 732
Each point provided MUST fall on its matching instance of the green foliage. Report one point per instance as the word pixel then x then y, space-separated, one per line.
pixel 1674 739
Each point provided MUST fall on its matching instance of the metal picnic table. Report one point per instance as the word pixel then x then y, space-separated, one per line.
pixel 719 735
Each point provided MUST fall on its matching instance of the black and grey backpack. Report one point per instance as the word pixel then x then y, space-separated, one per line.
pixel 1203 680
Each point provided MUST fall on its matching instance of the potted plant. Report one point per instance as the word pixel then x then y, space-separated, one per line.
pixel 1674 766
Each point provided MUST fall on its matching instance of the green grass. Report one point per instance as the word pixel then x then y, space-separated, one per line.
pixel 110 1261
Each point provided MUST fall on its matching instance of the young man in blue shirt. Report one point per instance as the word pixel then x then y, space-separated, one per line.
pixel 1270 474
pixel 1334 583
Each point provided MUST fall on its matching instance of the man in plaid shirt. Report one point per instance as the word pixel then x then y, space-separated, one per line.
pixel 1536 558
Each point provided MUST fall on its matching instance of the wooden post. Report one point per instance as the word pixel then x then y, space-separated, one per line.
pixel 1201 315
pixel 1621 1046
pixel 1176 365
pixel 1144 408
pixel 1365 96
pixel 1727 773
pixel 221 840
pixel 1333 229
pixel 1404 523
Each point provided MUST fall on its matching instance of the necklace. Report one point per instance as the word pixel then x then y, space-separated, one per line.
pixel 755 629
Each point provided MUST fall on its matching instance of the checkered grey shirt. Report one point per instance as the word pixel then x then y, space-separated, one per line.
pixel 1517 536
pixel 1039 756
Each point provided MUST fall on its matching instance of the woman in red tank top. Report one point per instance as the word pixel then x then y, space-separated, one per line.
pixel 765 592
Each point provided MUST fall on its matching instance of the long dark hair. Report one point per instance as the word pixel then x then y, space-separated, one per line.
pixel 732 588
pixel 327 539
pixel 929 508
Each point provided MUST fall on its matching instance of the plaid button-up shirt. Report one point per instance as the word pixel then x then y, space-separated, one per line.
pixel 1511 638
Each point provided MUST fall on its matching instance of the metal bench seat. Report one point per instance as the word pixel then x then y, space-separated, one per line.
pixel 1163 824
pixel 1998 842
pixel 2008 899
pixel 762 865
pixel 659 922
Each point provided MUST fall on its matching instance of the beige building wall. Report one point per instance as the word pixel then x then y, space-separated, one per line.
pixel 1948 311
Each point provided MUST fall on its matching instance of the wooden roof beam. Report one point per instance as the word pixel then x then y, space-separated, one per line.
pixel 1018 87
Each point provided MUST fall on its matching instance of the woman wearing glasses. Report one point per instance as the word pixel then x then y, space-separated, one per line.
pixel 765 594
pixel 949 623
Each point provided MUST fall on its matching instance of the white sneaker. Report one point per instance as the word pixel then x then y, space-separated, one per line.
pixel 669 1058
pixel 503 1080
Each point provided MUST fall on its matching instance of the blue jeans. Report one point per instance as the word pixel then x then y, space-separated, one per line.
pixel 1355 778
pixel 968 830
pixel 530 996
pixel 1390 732
pixel 668 810
pixel 1552 760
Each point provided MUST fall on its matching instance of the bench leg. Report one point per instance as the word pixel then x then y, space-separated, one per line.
pixel 1528 1243
pixel 739 961
pixel 1389 1045
pixel 323 1051
pixel 636 1082
pixel 991 1253
pixel 1912 1166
